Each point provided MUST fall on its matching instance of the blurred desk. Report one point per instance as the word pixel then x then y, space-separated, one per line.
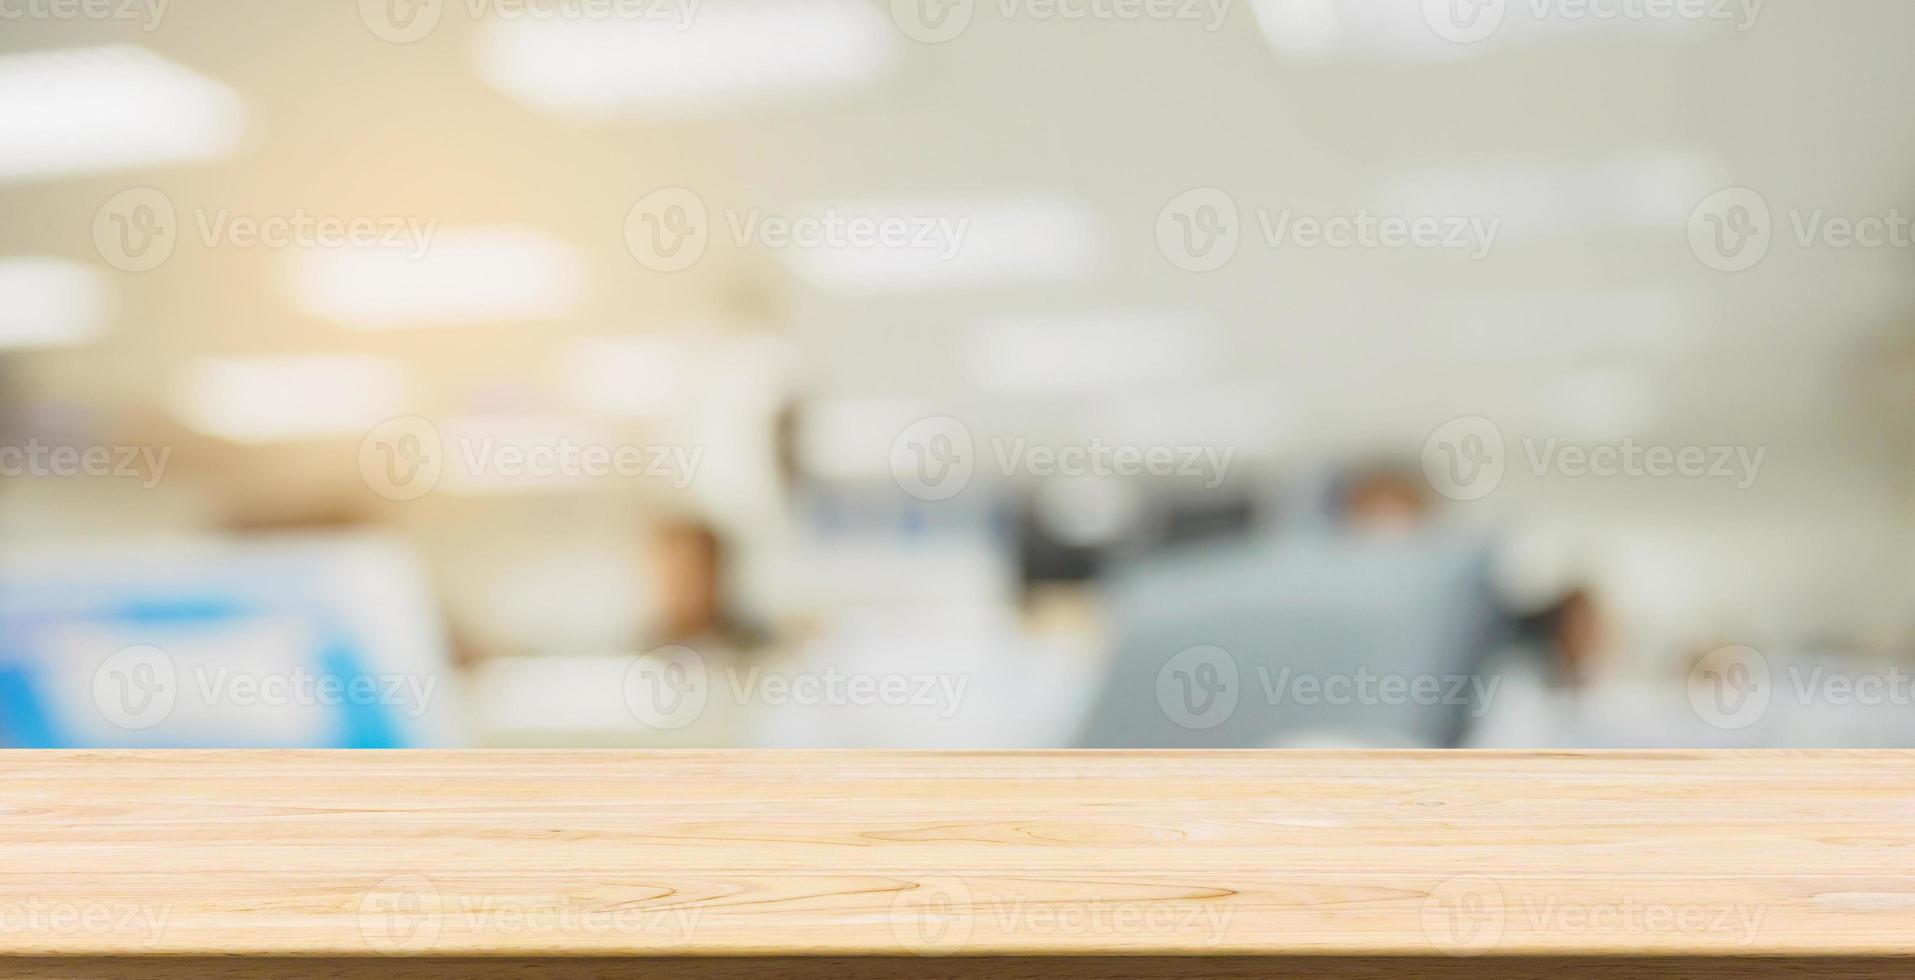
pixel 722 864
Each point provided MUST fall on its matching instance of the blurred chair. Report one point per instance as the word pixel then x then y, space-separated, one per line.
pixel 1300 640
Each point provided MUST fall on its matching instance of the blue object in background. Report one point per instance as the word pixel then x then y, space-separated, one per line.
pixel 274 643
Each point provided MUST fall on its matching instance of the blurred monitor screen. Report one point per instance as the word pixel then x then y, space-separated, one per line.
pixel 293 643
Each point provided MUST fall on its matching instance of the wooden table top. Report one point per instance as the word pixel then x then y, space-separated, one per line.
pixel 885 853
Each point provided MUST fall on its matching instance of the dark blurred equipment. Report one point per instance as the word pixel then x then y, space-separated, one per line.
pixel 1049 551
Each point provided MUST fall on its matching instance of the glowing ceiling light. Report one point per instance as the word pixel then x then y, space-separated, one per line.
pixel 269 399
pixel 708 56
pixel 478 275
pixel 49 302
pixel 88 110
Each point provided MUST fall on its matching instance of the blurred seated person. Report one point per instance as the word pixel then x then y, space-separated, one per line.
pixel 1383 499
pixel 1545 675
pixel 687 563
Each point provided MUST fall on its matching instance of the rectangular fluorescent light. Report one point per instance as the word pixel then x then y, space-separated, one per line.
pixel 1649 189
pixel 49 302
pixel 91 110
pixel 730 52
pixel 468 276
pixel 1320 28
pixel 951 243
pixel 1034 354
pixel 269 399
pixel 1440 30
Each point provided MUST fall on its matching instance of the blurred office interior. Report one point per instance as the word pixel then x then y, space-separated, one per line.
pixel 956 373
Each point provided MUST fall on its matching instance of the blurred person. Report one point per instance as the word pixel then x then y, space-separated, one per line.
pixel 687 561
pixel 1545 675
pixel 1383 498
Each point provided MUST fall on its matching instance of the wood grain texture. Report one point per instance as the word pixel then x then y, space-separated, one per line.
pixel 1521 858
pixel 959 968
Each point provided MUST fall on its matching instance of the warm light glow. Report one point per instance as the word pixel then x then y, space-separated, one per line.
pixel 714 56
pixel 285 398
pixel 478 275
pixel 88 110
pixel 49 302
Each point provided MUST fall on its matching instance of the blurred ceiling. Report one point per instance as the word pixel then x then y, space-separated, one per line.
pixel 1348 346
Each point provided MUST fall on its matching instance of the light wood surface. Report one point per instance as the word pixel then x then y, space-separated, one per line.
pixel 1803 855
pixel 959 968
